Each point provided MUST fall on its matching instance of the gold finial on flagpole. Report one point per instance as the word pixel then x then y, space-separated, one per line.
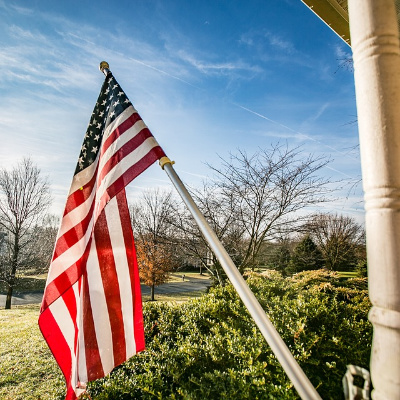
pixel 104 67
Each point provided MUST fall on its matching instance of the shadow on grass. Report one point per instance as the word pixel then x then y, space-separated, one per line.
pixel 175 297
pixel 26 284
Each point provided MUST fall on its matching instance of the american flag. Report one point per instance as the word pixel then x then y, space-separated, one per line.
pixel 91 314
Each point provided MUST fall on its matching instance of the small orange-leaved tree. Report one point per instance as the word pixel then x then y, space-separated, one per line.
pixel 156 252
pixel 155 261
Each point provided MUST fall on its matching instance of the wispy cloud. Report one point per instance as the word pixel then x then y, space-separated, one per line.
pixel 342 53
pixel 216 67
pixel 278 133
pixel 146 52
pixel 263 39
pixel 272 47
pixel 280 43
pixel 19 33
pixel 319 112
pixel 35 58
pixel 21 10
pixel 9 7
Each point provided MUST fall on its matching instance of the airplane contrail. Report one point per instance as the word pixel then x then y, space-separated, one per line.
pixel 294 131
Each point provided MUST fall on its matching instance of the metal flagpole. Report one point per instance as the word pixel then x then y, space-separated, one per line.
pixel 300 381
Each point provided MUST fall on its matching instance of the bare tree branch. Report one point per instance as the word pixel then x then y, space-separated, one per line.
pixel 253 199
pixel 269 188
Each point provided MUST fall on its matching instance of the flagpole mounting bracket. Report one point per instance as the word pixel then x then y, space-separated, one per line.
pixel 165 160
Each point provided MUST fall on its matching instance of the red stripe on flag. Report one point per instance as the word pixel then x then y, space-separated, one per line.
pixel 57 344
pixel 93 361
pixel 131 173
pixel 74 235
pixel 109 278
pixel 67 278
pixel 121 153
pixel 138 327
pixel 119 130
pixel 78 197
pixel 70 302
pixel 71 395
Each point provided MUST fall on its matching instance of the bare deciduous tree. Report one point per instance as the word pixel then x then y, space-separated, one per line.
pixel 41 246
pixel 24 199
pixel 267 190
pixel 339 238
pixel 254 199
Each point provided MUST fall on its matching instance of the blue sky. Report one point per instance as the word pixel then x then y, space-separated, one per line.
pixel 208 78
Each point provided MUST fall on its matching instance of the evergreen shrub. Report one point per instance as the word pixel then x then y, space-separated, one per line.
pixel 210 348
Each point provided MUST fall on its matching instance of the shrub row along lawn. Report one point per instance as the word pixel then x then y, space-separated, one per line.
pixel 210 348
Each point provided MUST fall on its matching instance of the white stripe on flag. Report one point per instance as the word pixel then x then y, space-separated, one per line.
pixel 70 256
pixel 124 279
pixel 118 121
pixel 127 162
pixel 128 135
pixel 83 177
pixel 75 216
pixel 63 319
pixel 100 314
pixel 81 355
pixel 74 372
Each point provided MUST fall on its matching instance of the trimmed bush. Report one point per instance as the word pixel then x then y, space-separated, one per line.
pixel 211 348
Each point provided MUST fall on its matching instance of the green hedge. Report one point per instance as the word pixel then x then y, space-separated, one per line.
pixel 209 348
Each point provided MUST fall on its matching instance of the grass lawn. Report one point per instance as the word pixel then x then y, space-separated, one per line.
pixel 28 371
pixel 27 368
pixel 177 276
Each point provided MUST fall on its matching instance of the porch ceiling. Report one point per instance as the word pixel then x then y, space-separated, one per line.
pixel 335 14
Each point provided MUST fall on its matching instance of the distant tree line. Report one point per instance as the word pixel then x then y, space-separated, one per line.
pixel 331 241
pixel 256 204
pixel 257 207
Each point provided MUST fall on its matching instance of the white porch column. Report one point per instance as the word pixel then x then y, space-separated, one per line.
pixel 376 52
